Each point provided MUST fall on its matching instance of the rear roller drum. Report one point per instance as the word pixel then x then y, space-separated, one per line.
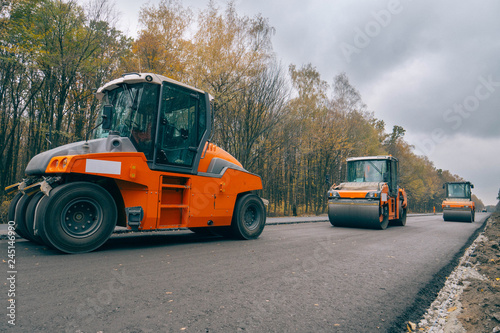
pixel 77 217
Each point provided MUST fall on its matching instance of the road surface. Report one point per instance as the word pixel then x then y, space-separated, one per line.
pixel 307 277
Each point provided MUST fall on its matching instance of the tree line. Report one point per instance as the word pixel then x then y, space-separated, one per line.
pixel 286 124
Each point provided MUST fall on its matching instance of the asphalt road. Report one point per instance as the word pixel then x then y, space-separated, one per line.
pixel 307 277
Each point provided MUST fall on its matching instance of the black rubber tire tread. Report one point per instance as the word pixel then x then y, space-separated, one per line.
pixel 20 216
pixel 11 212
pixel 39 219
pixel 253 205
pixel 52 223
pixel 30 217
pixel 401 221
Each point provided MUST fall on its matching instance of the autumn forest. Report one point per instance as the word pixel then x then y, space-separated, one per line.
pixel 281 121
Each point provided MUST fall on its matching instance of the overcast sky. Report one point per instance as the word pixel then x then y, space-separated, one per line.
pixel 430 66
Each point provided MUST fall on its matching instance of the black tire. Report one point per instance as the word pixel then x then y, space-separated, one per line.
pixel 249 217
pixel 401 221
pixel 20 216
pixel 11 212
pixel 77 217
pixel 385 222
pixel 30 217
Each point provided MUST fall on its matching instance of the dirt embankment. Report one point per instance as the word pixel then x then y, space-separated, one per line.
pixel 469 302
pixel 480 299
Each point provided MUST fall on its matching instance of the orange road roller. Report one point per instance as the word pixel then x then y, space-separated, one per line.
pixel 371 197
pixel 458 206
pixel 150 166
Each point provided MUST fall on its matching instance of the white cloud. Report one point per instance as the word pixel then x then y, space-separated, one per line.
pixel 421 61
pixel 472 158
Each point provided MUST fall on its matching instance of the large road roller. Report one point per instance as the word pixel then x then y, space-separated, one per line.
pixel 371 197
pixel 458 206
pixel 150 166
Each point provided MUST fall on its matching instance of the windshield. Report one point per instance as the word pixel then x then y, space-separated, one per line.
pixel 461 190
pixel 131 102
pixel 367 171
pixel 135 109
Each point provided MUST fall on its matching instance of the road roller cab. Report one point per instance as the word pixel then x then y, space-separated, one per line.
pixel 458 206
pixel 371 197
pixel 149 167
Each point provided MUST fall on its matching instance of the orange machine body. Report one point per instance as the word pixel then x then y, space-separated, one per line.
pixel 149 166
pixel 170 200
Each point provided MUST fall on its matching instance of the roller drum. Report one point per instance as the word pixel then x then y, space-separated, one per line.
pixel 354 213
pixel 459 215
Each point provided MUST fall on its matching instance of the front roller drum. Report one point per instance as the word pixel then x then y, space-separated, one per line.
pixel 458 215
pixel 350 213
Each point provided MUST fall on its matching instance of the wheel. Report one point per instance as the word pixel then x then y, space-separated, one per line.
pixel 76 217
pixel 20 216
pixel 249 217
pixel 11 213
pixel 12 207
pixel 385 218
pixel 401 221
pixel 30 217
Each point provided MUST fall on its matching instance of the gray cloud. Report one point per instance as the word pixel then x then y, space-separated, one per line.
pixel 417 64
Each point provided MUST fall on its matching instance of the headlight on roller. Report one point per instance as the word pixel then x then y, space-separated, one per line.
pixel 372 195
pixel 333 194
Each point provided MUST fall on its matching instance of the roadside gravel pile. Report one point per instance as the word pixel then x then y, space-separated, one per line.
pixel 470 300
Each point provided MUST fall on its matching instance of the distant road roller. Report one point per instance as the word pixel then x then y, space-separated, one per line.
pixel 458 205
pixel 371 197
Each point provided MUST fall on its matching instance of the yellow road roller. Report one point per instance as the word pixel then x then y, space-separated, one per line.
pixel 458 205
pixel 371 197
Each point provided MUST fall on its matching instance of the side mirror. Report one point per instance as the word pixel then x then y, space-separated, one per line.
pixel 107 117
pixel 471 185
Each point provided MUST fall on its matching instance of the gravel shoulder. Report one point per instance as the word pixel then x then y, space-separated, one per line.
pixel 470 298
